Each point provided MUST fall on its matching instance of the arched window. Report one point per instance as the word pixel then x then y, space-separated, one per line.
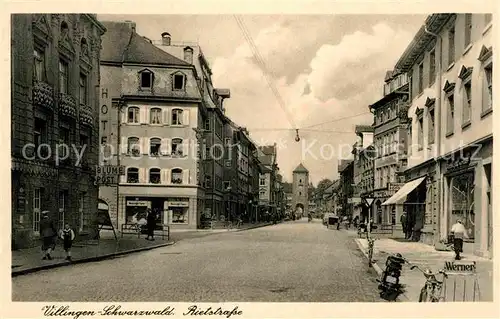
pixel 177 147
pixel 133 115
pixel 176 117
pixel 154 176
pixel 155 116
pixel 84 47
pixel 179 81
pixel 132 175
pixel 133 146
pixel 177 176
pixel 64 29
pixel 154 146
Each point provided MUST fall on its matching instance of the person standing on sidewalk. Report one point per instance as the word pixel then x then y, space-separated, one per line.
pixel 48 232
pixel 403 221
pixel 151 223
pixel 459 233
pixel 67 235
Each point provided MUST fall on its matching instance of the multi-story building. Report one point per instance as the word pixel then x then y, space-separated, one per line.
pixel 450 60
pixel 300 186
pixel 346 182
pixel 216 186
pixel 54 83
pixel 267 182
pixel 153 111
pixel 287 189
pixel 390 140
pixel 360 166
pixel 254 178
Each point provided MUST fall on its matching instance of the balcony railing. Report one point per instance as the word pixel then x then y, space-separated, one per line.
pixel 43 95
pixel 67 105
pixel 395 83
pixel 86 116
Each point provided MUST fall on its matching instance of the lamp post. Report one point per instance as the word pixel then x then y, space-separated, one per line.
pixel 369 202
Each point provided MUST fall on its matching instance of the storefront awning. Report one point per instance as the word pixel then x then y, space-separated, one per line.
pixel 400 196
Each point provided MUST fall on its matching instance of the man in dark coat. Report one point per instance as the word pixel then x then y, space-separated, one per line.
pixel 404 221
pixel 48 233
pixel 151 224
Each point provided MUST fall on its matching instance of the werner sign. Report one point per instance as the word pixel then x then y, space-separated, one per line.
pixel 454 267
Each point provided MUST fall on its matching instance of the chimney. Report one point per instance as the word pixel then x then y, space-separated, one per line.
pixel 131 24
pixel 188 55
pixel 165 38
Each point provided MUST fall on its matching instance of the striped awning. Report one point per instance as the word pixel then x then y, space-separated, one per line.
pixel 400 196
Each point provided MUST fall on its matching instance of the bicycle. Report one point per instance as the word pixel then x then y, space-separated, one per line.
pixel 432 289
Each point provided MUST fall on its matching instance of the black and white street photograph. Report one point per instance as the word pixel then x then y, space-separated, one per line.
pixel 233 158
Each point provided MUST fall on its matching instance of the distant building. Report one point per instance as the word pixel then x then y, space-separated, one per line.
pixel 362 170
pixel 346 189
pixel 300 186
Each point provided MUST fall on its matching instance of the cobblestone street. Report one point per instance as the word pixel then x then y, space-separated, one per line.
pixel 294 262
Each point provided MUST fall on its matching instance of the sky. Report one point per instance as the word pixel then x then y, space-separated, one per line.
pixel 327 69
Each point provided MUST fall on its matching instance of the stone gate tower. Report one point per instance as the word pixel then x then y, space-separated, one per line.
pixel 300 191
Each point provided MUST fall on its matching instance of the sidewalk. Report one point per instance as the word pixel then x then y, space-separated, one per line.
pixel 29 260
pixel 426 256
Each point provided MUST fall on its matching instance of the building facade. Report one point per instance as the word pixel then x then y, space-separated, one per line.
pixel 55 78
pixel 155 111
pixel 362 170
pixel 346 185
pixel 300 189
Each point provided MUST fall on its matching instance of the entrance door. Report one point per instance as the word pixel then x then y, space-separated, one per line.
pixel 157 208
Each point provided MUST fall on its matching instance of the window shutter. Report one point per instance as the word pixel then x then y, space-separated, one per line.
pixel 143 111
pixel 123 178
pixel 143 175
pixel 124 144
pixel 145 145
pixel 163 176
pixel 168 176
pixel 185 147
pixel 165 114
pixel 185 114
pixel 185 177
pixel 124 115
pixel 166 146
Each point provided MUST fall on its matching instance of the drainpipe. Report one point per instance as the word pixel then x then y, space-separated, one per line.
pixel 438 132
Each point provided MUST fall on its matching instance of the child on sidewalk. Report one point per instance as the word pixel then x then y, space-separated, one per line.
pixel 67 235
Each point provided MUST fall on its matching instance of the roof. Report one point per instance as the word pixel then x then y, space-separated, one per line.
pixel 122 44
pixel 364 129
pixel 266 159
pixel 268 149
pixel 300 169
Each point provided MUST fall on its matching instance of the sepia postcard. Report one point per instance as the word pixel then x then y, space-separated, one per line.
pixel 311 159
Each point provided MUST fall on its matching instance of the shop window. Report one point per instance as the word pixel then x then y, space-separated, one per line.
pixel 39 64
pixel 154 146
pixel 462 201
pixel 133 115
pixel 179 81
pixel 154 176
pixel 37 208
pixel 155 116
pixel 176 176
pixel 177 117
pixel 132 175
pixel 177 147
pixel 133 146
pixel 63 76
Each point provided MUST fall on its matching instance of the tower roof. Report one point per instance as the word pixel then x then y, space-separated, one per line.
pixel 300 169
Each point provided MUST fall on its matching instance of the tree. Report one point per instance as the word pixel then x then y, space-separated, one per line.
pixel 322 185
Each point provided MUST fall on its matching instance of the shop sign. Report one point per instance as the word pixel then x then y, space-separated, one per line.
pixel 394 187
pixel 178 204
pixel 460 267
pixel 140 203
pixel 354 200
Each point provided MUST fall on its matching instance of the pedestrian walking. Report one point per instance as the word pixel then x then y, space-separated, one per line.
pixel 48 233
pixel 67 235
pixel 403 221
pixel 459 233
pixel 150 225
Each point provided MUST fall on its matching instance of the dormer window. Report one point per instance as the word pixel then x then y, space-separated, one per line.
pixel 179 81
pixel 146 78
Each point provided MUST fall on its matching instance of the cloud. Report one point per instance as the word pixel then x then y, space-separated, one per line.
pixel 343 79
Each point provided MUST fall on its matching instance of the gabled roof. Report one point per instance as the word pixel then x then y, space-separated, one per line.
pixel 300 169
pixel 268 149
pixel 115 41
pixel 142 51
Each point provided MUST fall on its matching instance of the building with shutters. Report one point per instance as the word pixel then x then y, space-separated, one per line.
pixel 54 80
pixel 151 112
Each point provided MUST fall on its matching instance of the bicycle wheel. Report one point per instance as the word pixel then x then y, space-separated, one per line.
pixel 423 295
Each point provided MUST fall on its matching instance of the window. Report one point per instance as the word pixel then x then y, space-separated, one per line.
pixel 63 197
pixel 39 132
pixel 450 117
pixel 84 142
pixel 177 147
pixel 63 77
pixel 104 140
pixel 154 146
pixel 83 89
pixel 420 78
pixel 468 29
pixel 262 181
pixel 208 181
pixel 37 208
pixel 207 125
pixel 146 80
pixel 420 133
pixel 488 93
pixel 466 111
pixel 451 45
pixel 155 116
pixel 432 67
pixel 179 80
pixel 39 63
pixel 133 115
pixel 132 175
pixel 154 176
pixel 81 210
pixel 64 141
pixel 227 141
pixel 177 176
pixel 462 200
pixel 176 117
pixel 133 146
pixel 431 126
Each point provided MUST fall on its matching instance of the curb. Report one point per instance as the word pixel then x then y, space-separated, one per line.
pixel 86 260
pixel 254 227
pixel 377 268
